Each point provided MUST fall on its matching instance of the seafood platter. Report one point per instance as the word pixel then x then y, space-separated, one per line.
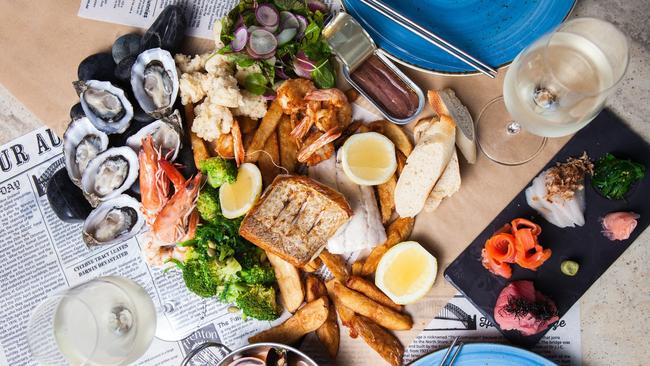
pixel 247 171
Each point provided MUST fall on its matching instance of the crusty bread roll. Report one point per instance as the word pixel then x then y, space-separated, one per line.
pixel 445 102
pixel 424 166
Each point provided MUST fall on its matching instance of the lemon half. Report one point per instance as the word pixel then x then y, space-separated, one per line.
pixel 368 159
pixel 406 272
pixel 238 197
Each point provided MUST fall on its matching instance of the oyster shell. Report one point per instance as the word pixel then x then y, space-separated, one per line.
pixel 113 221
pixel 109 174
pixel 166 134
pixel 155 82
pixel 105 105
pixel 82 142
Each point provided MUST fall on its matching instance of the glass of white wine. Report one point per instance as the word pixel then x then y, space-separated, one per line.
pixel 108 321
pixel 553 88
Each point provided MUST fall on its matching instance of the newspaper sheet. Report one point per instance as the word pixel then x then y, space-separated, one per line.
pixel 200 14
pixel 41 254
pixel 460 318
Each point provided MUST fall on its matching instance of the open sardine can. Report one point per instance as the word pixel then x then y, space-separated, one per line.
pixel 371 73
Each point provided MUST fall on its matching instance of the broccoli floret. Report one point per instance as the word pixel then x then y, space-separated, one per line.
pixel 208 204
pixel 219 171
pixel 258 301
pixel 204 277
pixel 258 274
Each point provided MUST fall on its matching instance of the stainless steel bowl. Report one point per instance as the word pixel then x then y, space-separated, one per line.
pixel 249 350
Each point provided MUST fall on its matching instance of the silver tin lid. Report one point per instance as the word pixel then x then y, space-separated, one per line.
pixel 348 40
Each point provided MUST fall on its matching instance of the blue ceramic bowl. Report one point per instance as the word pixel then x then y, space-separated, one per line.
pixel 486 354
pixel 494 31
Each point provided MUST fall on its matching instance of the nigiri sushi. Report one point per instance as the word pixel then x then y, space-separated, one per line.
pixel 558 193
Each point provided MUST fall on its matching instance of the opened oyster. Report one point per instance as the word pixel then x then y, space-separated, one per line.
pixel 82 142
pixel 105 105
pixel 166 134
pixel 155 82
pixel 109 174
pixel 113 221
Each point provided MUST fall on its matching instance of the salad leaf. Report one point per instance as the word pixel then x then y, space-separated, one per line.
pixel 255 83
pixel 323 75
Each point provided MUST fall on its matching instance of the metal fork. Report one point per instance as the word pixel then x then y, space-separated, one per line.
pixel 455 354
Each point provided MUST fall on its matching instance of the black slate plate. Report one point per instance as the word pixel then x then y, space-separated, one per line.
pixel 585 244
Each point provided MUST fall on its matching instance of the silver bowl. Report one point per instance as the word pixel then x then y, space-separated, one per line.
pixel 249 350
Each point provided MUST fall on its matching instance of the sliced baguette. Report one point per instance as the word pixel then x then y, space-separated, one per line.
pixel 445 102
pixel 446 186
pixel 425 166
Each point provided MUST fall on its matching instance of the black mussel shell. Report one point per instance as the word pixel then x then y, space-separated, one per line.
pixel 185 159
pixel 77 112
pixel 134 191
pixel 66 199
pixel 140 115
pixel 126 46
pixel 167 30
pixel 99 66
pixel 276 357
pixel 123 70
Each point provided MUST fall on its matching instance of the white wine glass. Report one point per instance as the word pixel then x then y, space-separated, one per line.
pixel 553 88
pixel 108 321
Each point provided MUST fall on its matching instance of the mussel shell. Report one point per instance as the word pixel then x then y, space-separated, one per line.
pixel 78 130
pixel 167 31
pixel 66 199
pixel 96 220
pixel 109 126
pixel 77 111
pixel 125 46
pixel 90 176
pixel 170 142
pixel 157 57
pixel 99 66
pixel 123 69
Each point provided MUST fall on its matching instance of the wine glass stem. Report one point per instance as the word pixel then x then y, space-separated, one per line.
pixel 513 128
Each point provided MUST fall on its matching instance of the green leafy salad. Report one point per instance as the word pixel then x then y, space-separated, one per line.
pixel 222 264
pixel 613 177
pixel 278 39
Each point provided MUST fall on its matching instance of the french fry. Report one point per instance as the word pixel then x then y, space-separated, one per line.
pixel 288 146
pixel 382 315
pixel 350 130
pixel 199 150
pixel 352 94
pixel 268 160
pixel 328 333
pixel 307 319
pixel 401 162
pixel 264 130
pixel 336 265
pixel 369 289
pixel 386 194
pixel 313 265
pixel 247 124
pixel 379 339
pixel 357 267
pixel 394 133
pixel 398 231
pixel 292 292
pixel 346 314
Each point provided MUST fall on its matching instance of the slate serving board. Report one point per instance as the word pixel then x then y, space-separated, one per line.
pixel 585 244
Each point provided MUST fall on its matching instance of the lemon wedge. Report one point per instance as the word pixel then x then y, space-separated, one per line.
pixel 368 159
pixel 238 197
pixel 406 272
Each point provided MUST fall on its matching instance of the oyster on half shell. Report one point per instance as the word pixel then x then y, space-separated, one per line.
pixel 105 105
pixel 113 221
pixel 154 80
pixel 109 174
pixel 166 134
pixel 82 142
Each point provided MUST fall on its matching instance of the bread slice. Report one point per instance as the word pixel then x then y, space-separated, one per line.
pixel 446 186
pixel 294 218
pixel 445 102
pixel 424 166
